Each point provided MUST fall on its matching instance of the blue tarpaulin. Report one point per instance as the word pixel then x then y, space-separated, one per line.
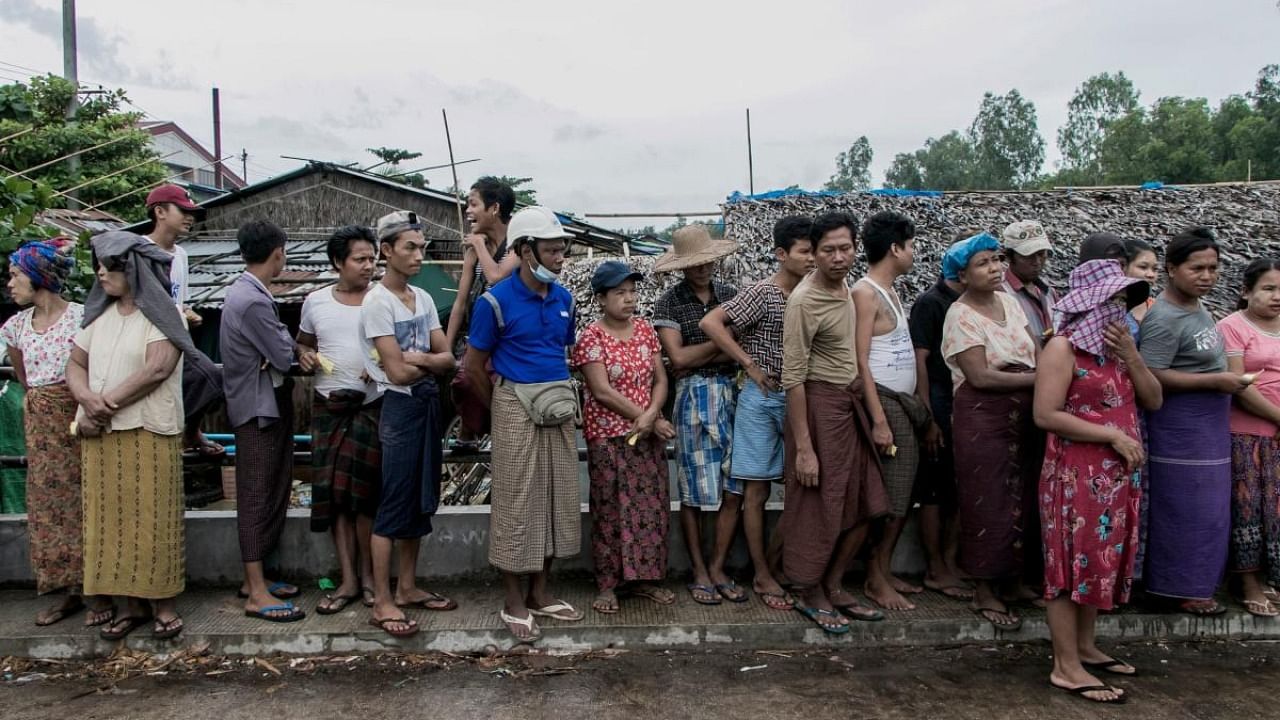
pixel 794 192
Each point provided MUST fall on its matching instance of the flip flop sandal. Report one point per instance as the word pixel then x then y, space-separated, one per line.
pixel 367 596
pixel 277 591
pixel 662 596
pixel 1006 627
pixel 710 596
pixel 165 630
pixel 534 631
pixel 1260 608
pixel 108 616
pixel 728 590
pixel 558 610
pixel 814 614
pixel 130 624
pixel 433 601
pixel 62 613
pixel 1120 699
pixel 780 601
pixel 1271 594
pixel 1203 610
pixel 1113 666
pixel 382 624
pixel 295 614
pixel 868 614
pixel 336 604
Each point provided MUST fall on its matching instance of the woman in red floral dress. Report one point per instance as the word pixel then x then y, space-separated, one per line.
pixel 1089 384
pixel 620 358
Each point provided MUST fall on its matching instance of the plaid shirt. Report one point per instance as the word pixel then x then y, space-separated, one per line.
pixel 680 309
pixel 756 314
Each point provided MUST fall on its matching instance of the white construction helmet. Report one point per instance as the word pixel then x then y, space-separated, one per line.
pixel 535 223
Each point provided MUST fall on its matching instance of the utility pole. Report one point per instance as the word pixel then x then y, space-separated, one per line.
pixel 70 72
pixel 217 140
pixel 751 166
pixel 244 165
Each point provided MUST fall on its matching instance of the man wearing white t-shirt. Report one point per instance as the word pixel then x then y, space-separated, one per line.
pixel 172 213
pixel 405 350
pixel 346 455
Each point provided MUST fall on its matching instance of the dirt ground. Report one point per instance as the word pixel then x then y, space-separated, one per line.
pixel 1204 680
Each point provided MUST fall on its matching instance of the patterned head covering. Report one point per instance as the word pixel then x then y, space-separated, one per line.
pixel 957 257
pixel 45 263
pixel 1087 310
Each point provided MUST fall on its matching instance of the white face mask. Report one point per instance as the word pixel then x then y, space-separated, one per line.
pixel 540 273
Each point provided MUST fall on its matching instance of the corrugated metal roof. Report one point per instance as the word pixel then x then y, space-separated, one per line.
pixel 215 256
pixel 74 222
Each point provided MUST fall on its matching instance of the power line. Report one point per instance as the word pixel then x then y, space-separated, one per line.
pixel 23 67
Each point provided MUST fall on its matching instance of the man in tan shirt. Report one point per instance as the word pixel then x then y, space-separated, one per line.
pixel 834 482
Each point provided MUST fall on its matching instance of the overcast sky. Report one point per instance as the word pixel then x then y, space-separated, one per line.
pixel 635 106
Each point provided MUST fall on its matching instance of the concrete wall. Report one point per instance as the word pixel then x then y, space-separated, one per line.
pixel 458 548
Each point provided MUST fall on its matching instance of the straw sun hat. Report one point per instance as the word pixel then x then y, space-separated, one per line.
pixel 692 246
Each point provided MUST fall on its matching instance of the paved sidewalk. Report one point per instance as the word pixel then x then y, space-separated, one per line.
pixel 217 617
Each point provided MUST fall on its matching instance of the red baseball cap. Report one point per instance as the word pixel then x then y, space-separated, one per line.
pixel 172 194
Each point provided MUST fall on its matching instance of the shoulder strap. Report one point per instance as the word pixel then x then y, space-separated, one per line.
pixel 497 309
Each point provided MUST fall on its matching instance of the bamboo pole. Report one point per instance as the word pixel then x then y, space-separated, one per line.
pixel 453 166
pixel 68 156
pixel 24 131
pixel 149 187
pixel 87 183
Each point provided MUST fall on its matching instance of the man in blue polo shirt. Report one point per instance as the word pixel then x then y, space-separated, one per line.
pixel 525 325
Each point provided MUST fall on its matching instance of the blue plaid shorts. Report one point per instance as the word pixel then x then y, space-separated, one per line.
pixel 704 435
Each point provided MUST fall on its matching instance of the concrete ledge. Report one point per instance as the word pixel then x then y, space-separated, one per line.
pixel 216 618
pixel 457 548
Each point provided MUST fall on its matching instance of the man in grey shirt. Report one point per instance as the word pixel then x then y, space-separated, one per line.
pixel 257 351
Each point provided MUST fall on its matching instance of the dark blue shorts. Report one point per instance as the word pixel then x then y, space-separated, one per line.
pixel 412 461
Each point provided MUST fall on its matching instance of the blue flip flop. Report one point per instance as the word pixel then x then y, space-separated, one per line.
pixel 727 590
pixel 295 614
pixel 814 613
pixel 694 587
pixel 275 590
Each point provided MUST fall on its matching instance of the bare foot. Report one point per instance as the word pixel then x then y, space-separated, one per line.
pixel 70 605
pixel 904 587
pixel 606 603
pixel 949 585
pixel 886 596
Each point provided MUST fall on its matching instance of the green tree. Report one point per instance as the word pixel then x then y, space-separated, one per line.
pixel 113 176
pixel 21 202
pixel 1096 104
pixel 853 168
pixel 949 163
pixel 1120 155
pixel 389 167
pixel 945 163
pixel 1008 151
pixel 524 195
pixel 906 172
pixel 1182 147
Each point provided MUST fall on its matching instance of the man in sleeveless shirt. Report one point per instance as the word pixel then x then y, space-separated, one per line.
pixel 887 367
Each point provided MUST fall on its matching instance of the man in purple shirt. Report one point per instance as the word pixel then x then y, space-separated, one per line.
pixel 257 351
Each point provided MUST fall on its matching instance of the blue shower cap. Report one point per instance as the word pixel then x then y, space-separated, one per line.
pixel 957 257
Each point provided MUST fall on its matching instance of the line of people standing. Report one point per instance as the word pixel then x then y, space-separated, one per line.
pixel 862 408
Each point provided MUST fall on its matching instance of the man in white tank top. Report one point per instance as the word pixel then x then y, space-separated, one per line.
pixel 887 369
